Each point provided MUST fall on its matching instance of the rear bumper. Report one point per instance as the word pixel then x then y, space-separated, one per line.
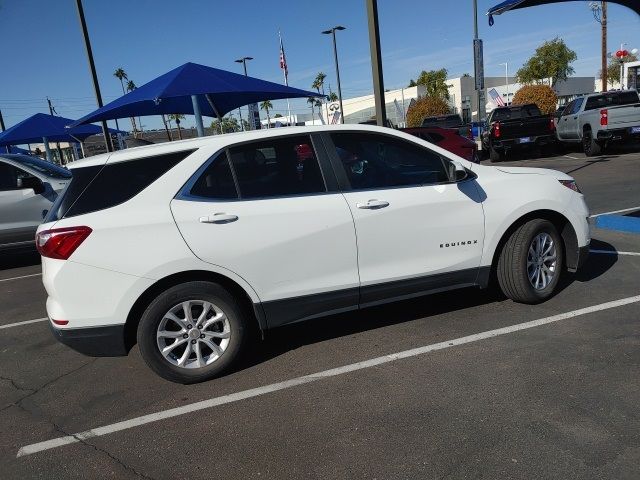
pixel 514 143
pixel 107 341
pixel 618 135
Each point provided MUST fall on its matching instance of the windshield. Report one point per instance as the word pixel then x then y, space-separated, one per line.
pixel 40 166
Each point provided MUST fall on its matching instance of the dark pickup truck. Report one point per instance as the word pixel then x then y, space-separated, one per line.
pixel 515 128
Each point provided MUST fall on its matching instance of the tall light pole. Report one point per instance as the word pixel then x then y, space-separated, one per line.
pixel 376 62
pixel 478 64
pixel 332 32
pixel 599 10
pixel 243 61
pixel 506 78
pixel 92 69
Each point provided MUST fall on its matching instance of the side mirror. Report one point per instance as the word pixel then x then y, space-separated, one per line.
pixel 457 172
pixel 31 182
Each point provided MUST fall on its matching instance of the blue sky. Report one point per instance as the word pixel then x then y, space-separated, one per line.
pixel 43 54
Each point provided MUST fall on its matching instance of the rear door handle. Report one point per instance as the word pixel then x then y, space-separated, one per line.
pixel 219 218
pixel 373 205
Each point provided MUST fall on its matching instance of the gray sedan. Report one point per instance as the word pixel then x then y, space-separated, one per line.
pixel 28 188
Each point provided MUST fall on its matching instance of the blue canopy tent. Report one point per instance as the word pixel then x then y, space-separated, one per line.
pixel 194 89
pixel 515 4
pixel 47 128
pixel 21 151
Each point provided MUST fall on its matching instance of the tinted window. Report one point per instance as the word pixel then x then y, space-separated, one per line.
pixel 216 181
pixel 513 113
pixel 9 176
pixel 568 108
pixel 611 99
pixel 577 105
pixel 379 161
pixel 445 121
pixel 99 187
pixel 277 167
pixel 40 166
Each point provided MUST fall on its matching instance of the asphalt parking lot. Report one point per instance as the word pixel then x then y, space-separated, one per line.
pixel 457 385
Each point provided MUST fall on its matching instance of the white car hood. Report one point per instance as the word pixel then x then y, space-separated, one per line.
pixel 535 171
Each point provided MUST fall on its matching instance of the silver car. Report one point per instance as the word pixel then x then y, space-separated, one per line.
pixel 28 188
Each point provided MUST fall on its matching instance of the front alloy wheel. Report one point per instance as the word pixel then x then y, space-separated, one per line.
pixel 542 261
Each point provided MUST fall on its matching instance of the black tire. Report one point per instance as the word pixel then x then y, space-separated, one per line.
pixel 512 264
pixel 196 290
pixel 495 155
pixel 590 146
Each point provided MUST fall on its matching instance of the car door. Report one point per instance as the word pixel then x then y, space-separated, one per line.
pixel 572 124
pixel 416 229
pixel 267 211
pixel 561 127
pixel 21 209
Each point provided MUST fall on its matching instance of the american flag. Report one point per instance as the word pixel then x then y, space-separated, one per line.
pixel 283 60
pixel 496 97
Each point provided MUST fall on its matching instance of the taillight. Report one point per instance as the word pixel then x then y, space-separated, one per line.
pixel 552 124
pixel 571 184
pixel 496 130
pixel 60 243
pixel 604 117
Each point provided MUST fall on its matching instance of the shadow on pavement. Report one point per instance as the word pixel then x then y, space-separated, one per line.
pixel 19 258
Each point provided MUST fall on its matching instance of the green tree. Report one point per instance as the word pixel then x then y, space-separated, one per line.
pixel 121 75
pixel 318 84
pixel 177 117
pixel 229 124
pixel 332 97
pixel 312 101
pixel 552 60
pixel 266 106
pixel 435 83
pixel 412 83
pixel 613 69
pixel 131 86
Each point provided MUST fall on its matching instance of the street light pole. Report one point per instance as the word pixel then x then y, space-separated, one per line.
pixel 506 78
pixel 92 69
pixel 243 60
pixel 332 32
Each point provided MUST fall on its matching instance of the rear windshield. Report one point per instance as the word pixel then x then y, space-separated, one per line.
pixel 104 186
pixel 515 113
pixel 445 121
pixel 40 166
pixel 612 99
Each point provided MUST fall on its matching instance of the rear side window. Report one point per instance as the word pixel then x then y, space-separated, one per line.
pixel 216 181
pixel 105 186
pixel 277 167
pixel 611 99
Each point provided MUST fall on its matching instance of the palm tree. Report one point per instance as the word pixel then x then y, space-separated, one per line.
pixel 313 102
pixel 177 117
pixel 333 97
pixel 318 84
pixel 121 75
pixel 130 88
pixel 266 105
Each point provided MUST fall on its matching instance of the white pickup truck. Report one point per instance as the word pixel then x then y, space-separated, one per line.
pixel 599 119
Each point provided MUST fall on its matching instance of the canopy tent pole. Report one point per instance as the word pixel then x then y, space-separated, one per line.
pixel 47 149
pixel 198 115
pixel 215 110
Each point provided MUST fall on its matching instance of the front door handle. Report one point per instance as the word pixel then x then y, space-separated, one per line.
pixel 219 218
pixel 373 204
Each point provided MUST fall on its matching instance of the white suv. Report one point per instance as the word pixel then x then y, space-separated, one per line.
pixel 191 247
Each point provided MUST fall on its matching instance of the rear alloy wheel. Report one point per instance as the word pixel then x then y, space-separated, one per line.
pixel 192 332
pixel 530 262
pixel 591 147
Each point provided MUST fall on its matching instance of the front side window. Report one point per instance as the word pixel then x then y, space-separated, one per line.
pixel 381 161
pixel 9 176
pixel 277 167
pixel 577 105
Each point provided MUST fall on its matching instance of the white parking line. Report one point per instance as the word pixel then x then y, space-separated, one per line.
pixel 26 322
pixel 255 392
pixel 615 252
pixel 615 211
pixel 18 278
pixel 573 158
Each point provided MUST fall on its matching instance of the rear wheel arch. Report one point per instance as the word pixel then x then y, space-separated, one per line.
pixel 562 224
pixel 133 319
